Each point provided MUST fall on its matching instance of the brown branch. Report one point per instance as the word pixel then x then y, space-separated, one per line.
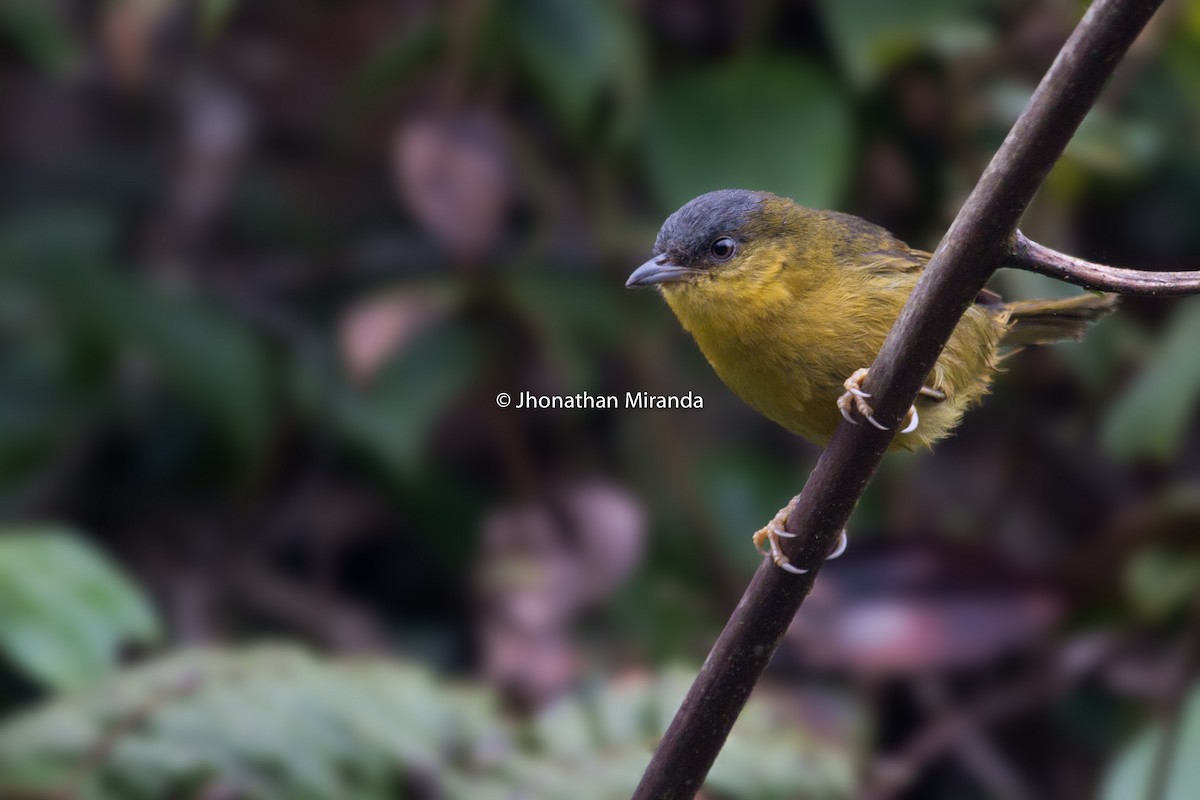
pixel 1034 257
pixel 971 251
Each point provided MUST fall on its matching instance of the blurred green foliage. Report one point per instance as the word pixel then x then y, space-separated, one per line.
pixel 580 55
pixel 392 419
pixel 738 120
pixel 277 722
pixel 59 265
pixel 214 13
pixel 65 612
pixel 872 37
pixel 1150 420
pixel 1135 771
pixel 1162 583
pixel 38 29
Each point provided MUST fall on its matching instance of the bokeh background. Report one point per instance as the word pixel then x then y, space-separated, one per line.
pixel 266 264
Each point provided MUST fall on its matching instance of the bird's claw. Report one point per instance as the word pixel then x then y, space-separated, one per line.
pixel 843 543
pixel 774 530
pixel 855 400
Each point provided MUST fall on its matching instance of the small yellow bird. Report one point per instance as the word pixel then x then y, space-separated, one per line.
pixel 790 305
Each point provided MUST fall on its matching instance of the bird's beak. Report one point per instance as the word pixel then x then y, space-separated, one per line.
pixel 657 270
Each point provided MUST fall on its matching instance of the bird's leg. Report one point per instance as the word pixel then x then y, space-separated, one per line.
pixel 856 399
pixel 774 530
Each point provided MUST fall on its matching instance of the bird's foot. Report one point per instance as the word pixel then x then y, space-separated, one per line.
pixel 855 400
pixel 766 541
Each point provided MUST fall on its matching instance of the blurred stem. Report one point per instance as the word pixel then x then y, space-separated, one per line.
pixel 976 751
pixel 893 775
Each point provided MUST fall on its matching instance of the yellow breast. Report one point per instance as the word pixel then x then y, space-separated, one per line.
pixel 785 344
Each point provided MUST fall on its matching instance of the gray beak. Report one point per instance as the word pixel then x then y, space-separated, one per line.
pixel 657 270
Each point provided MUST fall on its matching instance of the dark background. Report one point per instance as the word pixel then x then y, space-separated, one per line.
pixel 265 265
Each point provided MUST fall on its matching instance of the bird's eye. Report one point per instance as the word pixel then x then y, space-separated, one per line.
pixel 723 248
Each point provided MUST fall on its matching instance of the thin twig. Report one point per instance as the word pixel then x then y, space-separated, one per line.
pixel 975 750
pixel 893 775
pixel 1034 257
pixel 972 249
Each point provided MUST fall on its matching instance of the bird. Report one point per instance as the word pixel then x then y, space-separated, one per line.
pixel 790 306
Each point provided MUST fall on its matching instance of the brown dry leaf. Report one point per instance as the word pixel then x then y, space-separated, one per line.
pixel 453 174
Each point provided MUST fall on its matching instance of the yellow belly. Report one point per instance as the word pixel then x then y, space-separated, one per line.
pixel 790 364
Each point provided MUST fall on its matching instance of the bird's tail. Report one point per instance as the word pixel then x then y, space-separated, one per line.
pixel 1047 321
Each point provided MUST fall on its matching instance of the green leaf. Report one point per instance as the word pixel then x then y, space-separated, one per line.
pixel 742 491
pixel 565 729
pixel 871 36
pixel 575 317
pixel 276 722
pixel 213 14
pixel 391 419
pixel 38 28
pixel 47 248
pixel 65 611
pixel 1105 144
pixel 1161 582
pixel 212 361
pixel 774 124
pixel 41 405
pixel 1132 772
pixel 1150 418
pixel 576 52
pixel 391 65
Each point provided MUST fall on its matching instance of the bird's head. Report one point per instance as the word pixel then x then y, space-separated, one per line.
pixel 719 236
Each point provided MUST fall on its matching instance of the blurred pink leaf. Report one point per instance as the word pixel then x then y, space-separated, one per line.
pixel 374 330
pixel 453 174
pixel 909 610
pixel 127 32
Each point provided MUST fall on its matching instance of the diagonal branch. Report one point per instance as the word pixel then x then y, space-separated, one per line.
pixel 1034 257
pixel 974 246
